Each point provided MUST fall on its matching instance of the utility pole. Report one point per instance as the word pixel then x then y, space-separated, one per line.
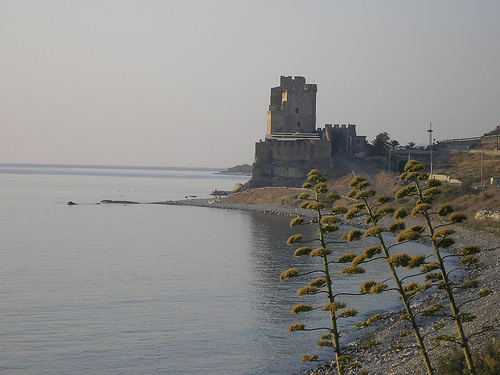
pixel 430 144
pixel 482 168
pixel 389 164
pixel 498 127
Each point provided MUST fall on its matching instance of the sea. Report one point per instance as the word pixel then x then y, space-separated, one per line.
pixel 150 288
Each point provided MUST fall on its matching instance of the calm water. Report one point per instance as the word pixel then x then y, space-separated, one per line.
pixel 147 289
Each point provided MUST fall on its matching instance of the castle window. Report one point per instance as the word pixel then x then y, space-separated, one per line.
pixel 297 110
pixel 298 124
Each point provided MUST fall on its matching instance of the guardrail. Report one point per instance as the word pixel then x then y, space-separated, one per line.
pixel 461 140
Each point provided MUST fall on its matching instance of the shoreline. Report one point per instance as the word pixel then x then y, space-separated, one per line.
pixel 381 359
pixel 221 203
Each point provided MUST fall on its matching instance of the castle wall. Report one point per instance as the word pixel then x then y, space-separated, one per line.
pixel 303 149
pixel 287 163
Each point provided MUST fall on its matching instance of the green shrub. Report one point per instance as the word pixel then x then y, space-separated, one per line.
pixel 453 364
pixel 487 362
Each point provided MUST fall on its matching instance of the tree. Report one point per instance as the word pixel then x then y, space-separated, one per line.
pixel 374 208
pixel 410 145
pixel 393 144
pixel 327 224
pixel 380 144
pixel 425 191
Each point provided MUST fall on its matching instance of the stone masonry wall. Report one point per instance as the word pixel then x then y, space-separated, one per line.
pixel 287 163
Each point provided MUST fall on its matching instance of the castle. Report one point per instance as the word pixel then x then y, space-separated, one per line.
pixel 293 145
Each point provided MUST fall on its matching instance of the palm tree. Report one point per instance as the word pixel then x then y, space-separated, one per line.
pixel 393 144
pixel 410 145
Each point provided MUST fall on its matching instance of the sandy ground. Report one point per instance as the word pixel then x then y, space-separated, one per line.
pixel 383 360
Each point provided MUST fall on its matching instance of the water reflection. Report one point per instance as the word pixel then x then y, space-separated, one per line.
pixel 270 256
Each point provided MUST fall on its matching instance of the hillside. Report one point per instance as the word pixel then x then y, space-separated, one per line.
pixel 464 198
pixel 466 166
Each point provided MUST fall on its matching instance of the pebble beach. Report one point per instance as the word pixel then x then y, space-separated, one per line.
pixel 381 359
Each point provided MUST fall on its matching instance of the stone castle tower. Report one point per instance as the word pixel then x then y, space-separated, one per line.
pixel 292 107
pixel 293 146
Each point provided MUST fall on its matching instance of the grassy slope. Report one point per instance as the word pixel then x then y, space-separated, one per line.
pixel 467 167
pixel 465 199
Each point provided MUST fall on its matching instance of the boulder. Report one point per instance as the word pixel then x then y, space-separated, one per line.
pixel 488 214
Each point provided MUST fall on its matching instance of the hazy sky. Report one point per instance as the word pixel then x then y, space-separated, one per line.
pixel 187 83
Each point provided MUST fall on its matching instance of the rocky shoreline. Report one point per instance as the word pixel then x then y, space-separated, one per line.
pixel 381 359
